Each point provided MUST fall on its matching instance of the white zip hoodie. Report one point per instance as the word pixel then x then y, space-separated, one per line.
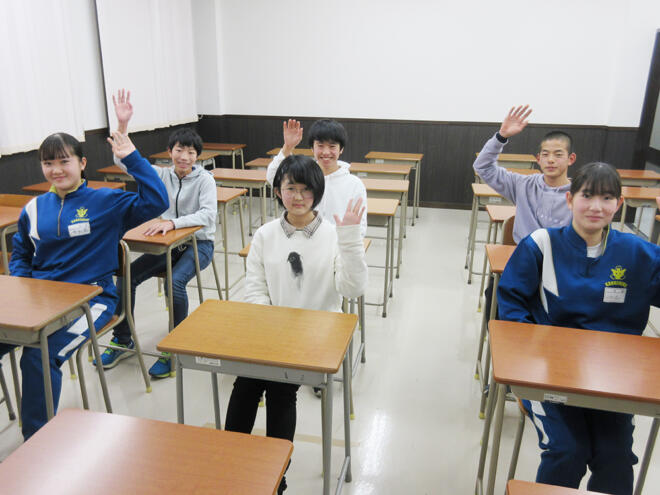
pixel 340 186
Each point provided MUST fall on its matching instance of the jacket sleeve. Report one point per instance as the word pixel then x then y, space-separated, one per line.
pixel 273 166
pixel 520 283
pixel 363 221
pixel 151 199
pixel 206 215
pixel 351 273
pixel 256 287
pixel 655 300
pixel 20 264
pixel 499 178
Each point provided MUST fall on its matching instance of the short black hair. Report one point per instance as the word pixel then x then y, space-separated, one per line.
pixel 597 178
pixel 185 137
pixel 60 145
pixel 561 136
pixel 301 169
pixel 325 130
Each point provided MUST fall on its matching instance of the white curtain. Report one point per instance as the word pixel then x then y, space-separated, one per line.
pixel 39 79
pixel 147 47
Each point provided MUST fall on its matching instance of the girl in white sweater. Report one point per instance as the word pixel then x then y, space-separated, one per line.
pixel 301 261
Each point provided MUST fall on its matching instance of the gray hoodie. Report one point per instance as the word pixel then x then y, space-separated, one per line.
pixel 537 204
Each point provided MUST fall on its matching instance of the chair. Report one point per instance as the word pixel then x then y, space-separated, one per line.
pixel 507 232
pixel 124 271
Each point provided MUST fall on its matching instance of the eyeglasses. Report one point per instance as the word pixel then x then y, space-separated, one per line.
pixel 292 191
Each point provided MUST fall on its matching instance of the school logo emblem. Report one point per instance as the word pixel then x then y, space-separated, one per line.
pixel 618 273
pixel 81 215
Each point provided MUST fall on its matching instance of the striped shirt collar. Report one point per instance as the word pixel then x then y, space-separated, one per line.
pixel 308 230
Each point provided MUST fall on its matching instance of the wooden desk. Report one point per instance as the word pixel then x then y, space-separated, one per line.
pixel 296 151
pixel 227 149
pixel 163 244
pixel 9 216
pixel 519 171
pixel 516 487
pixel 414 159
pixel 640 178
pixel 515 160
pixel 249 179
pixel 497 215
pixel 226 197
pixel 380 212
pixel 44 187
pixel 206 157
pixel 269 342
pixel 391 189
pixel 498 256
pixel 482 195
pixel 147 456
pixel 637 197
pixel 381 170
pixel 258 163
pixel 585 368
pixel 36 309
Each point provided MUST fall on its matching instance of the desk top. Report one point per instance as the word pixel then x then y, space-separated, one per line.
pixel 498 256
pixel 9 215
pixel 229 174
pixel 387 168
pixel 396 157
pixel 204 155
pixel 382 207
pixel 514 157
pixel 517 487
pixel 136 234
pixel 223 146
pixel 262 334
pixel 226 194
pixel 112 169
pixel 484 190
pixel 605 364
pixel 15 200
pixel 638 174
pixel 44 187
pixel 34 303
pixel 386 185
pixel 297 151
pixel 500 213
pixel 644 193
pixel 258 163
pixel 153 457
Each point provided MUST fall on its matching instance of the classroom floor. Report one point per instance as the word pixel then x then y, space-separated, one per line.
pixel 416 429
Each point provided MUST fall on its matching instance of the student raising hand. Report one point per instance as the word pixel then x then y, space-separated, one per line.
pixel 353 214
pixel 123 109
pixel 122 146
pixel 293 134
pixel 515 121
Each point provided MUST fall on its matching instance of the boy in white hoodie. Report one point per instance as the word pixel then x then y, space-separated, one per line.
pixel 327 139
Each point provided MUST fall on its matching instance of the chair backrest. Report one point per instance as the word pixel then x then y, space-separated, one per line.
pixel 507 232
pixel 17 200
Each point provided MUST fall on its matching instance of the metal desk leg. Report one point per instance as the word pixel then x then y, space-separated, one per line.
pixel 348 384
pixel 486 366
pixel 392 257
pixel 478 490
pixel 483 268
pixel 644 466
pixel 363 332
pixel 197 270
pixel 418 170
pixel 623 215
pixel 17 386
pixel 262 191
pixel 179 392
pixel 170 297
pixel 97 356
pixel 471 232
pixel 402 230
pixel 224 248
pixel 326 439
pixel 387 265
pixel 216 401
pixel 497 433
pixel 240 152
pixel 45 364
pixel 250 211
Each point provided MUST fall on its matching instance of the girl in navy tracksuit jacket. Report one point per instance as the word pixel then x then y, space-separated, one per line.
pixel 71 234
pixel 589 276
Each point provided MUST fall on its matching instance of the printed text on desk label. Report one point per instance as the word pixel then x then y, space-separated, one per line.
pixel 557 399
pixel 207 361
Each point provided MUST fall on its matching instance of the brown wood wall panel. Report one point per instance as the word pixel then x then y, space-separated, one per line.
pixel 448 148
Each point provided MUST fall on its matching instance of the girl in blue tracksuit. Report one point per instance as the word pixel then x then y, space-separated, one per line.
pixel 585 275
pixel 71 234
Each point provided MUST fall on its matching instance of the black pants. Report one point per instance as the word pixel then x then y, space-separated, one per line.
pixel 280 408
pixel 488 298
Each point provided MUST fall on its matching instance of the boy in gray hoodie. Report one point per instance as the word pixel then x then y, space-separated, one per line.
pixel 193 201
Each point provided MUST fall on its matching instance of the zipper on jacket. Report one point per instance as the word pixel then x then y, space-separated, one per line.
pixel 176 201
pixel 59 215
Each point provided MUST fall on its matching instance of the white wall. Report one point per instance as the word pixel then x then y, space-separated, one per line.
pixel 577 62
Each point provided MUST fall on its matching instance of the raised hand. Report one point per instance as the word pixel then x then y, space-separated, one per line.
pixel 293 134
pixel 123 109
pixel 353 214
pixel 160 228
pixel 515 121
pixel 122 146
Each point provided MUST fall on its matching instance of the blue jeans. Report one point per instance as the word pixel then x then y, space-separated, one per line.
pixel 572 438
pixel 61 346
pixel 183 270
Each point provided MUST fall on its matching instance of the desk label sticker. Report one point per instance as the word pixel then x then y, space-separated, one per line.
pixel 555 398
pixel 207 361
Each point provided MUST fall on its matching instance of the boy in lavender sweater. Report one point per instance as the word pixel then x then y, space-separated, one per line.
pixel 540 199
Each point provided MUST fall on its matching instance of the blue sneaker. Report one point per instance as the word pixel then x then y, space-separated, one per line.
pixel 162 367
pixel 112 355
